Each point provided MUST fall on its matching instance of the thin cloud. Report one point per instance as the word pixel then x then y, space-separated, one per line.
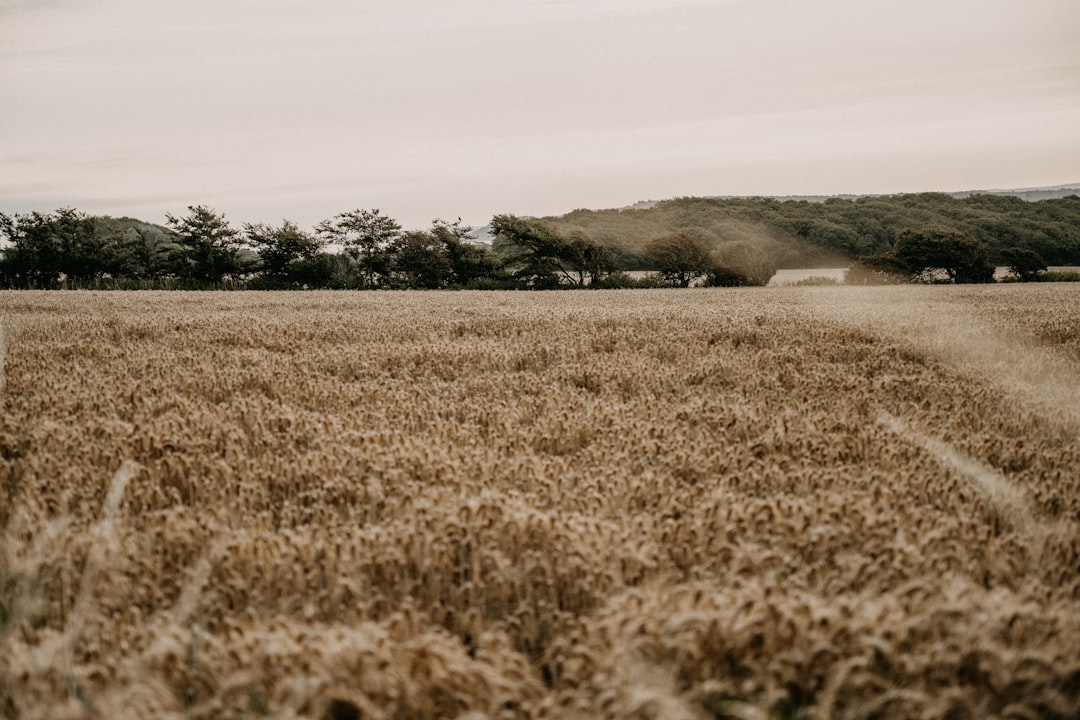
pixel 520 105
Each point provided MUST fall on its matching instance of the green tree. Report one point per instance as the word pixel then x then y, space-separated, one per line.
pixel 366 237
pixel 30 258
pixel 139 250
pixel 679 258
pixel 587 262
pixel 533 250
pixel 420 260
pixel 1024 264
pixel 468 262
pixel 542 258
pixel 288 256
pixel 960 256
pixel 210 247
pixel 46 248
pixel 152 252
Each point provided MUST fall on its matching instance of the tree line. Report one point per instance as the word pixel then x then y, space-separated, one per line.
pixel 366 249
pixel 360 249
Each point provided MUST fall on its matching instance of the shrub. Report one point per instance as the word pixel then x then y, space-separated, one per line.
pixel 816 280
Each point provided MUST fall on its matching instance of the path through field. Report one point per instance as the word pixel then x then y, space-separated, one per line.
pixel 1032 358
pixel 986 334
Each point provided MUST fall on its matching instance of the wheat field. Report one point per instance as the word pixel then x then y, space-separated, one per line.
pixel 769 503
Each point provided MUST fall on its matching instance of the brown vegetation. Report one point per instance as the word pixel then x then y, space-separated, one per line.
pixel 796 502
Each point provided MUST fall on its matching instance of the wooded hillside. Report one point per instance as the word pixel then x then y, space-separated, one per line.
pixel 799 233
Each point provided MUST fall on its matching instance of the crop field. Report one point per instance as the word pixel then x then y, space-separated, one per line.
pixel 806 502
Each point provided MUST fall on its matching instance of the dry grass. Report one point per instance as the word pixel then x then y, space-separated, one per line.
pixel 792 502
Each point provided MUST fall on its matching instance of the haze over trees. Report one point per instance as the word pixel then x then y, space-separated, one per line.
pixel 541 258
pixel 680 258
pixel 833 233
pixel 740 263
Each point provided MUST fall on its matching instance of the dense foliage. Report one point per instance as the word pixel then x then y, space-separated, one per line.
pixel 799 233
pixel 933 255
pixel 358 249
pixel 680 258
pixel 541 258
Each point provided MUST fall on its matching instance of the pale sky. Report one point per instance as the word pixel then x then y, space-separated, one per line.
pixel 302 109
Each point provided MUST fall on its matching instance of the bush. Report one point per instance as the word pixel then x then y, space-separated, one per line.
pixel 1059 276
pixel 929 252
pixel 816 280
pixel 873 271
pixel 1024 264
pixel 740 264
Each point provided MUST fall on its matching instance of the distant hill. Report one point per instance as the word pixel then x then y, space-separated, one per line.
pixel 822 231
pixel 1029 194
pixel 1055 192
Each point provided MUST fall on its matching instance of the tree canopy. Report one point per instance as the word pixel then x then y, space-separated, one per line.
pixel 212 246
pixel 680 258
pixel 960 256
pixel 1024 264
pixel 366 237
pixel 542 258
pixel 930 254
pixel 288 256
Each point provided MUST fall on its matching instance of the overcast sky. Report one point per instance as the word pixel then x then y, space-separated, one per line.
pixel 301 109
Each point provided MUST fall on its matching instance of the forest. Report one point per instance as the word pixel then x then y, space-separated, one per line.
pixel 832 233
pixel 684 241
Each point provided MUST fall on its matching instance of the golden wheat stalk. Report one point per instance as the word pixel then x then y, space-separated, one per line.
pixel 3 357
pixel 1004 497
pixel 103 539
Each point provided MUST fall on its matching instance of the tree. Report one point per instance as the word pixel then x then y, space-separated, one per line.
pixel 82 255
pixel 588 262
pixel 420 260
pixel 533 250
pixel 961 257
pixel 738 264
pixel 150 251
pixel 29 261
pixel 211 248
pixel 288 256
pixel 680 258
pixel 542 258
pixel 366 237
pixel 1024 264
pixel 468 262
pixel 138 250
pixel 49 247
